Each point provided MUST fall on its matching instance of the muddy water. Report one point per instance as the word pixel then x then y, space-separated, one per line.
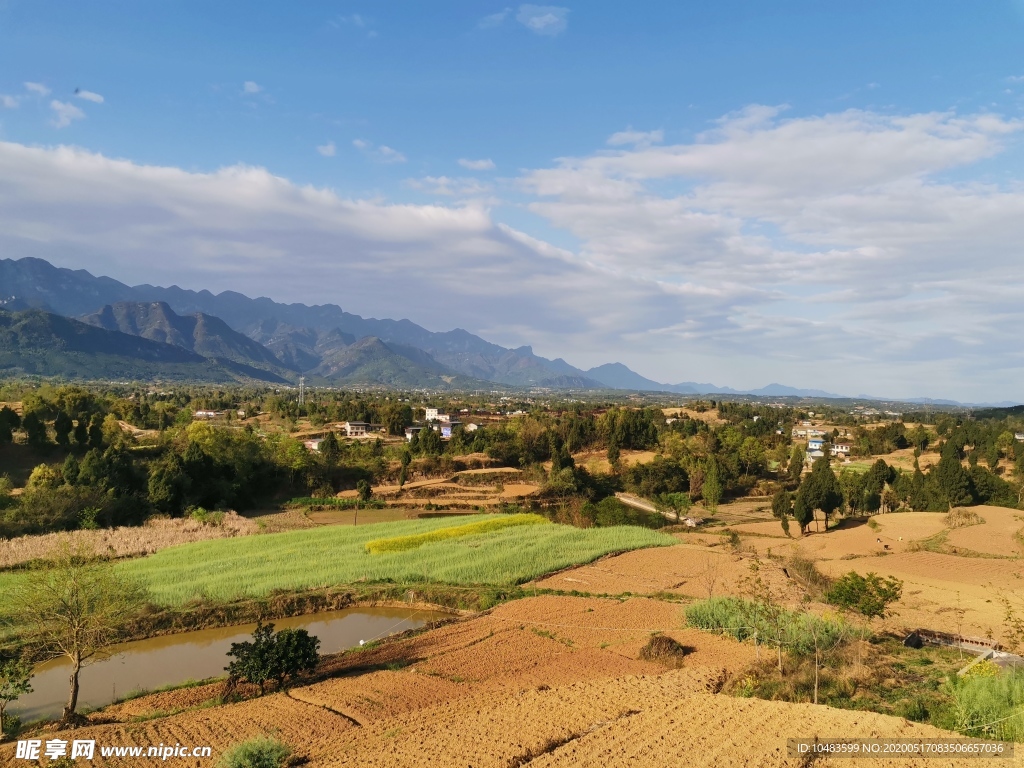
pixel 173 659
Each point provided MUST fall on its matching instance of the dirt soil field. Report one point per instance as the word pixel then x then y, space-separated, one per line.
pixel 996 536
pixel 547 681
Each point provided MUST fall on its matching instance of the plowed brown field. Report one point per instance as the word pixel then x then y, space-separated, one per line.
pixel 996 536
pixel 549 681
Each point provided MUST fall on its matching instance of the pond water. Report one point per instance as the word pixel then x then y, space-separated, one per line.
pixel 173 659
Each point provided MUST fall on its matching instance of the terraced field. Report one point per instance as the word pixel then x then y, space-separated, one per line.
pixel 548 681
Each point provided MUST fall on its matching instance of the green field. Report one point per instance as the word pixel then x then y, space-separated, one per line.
pixel 255 566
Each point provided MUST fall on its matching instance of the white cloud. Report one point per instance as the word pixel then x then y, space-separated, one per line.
pixel 379 152
pixel 477 165
pixel 250 88
pixel 95 98
pixel 495 19
pixel 37 88
pixel 9 102
pixel 243 228
pixel 328 149
pixel 64 114
pixel 636 138
pixel 829 241
pixel 549 20
pixel 453 187
pixel 853 251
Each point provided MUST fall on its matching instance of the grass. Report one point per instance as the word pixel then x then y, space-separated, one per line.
pixel 417 540
pixel 258 566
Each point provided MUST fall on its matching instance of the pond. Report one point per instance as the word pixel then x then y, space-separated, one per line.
pixel 174 659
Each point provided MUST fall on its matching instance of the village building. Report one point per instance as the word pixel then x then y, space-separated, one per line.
pixel 205 415
pixel 446 429
pixel 815 444
pixel 411 431
pixel 313 445
pixel 355 428
pixel 841 449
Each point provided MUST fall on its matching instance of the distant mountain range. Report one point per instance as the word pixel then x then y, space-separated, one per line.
pixel 229 336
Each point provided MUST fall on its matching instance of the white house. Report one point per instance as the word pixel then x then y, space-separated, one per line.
pixel 815 444
pixel 1020 437
pixel 410 431
pixel 205 415
pixel 446 429
pixel 432 414
pixel 313 445
pixel 841 449
pixel 472 427
pixel 355 428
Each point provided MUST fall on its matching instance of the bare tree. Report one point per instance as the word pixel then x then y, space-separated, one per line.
pixel 709 574
pixel 75 606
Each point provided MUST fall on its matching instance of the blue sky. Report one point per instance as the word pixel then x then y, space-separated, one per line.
pixel 802 192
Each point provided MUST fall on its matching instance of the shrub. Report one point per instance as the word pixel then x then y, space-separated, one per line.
pixel 206 517
pixel 403 543
pixel 664 650
pixel 990 707
pixel 261 752
pixel 867 595
pixel 270 656
pixel 962 518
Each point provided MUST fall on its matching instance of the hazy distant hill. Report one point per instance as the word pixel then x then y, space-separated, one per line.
pixel 37 283
pixel 370 361
pixel 200 333
pixel 40 343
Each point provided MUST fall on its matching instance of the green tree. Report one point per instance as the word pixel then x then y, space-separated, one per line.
pixel 397 417
pixel 255 661
pixel 82 430
pixel 75 608
pixel 821 489
pixel 613 453
pixel 803 512
pixel 70 470
pixel 852 485
pixel 953 479
pixel 297 653
pixel 269 656
pixel 168 485
pixel 62 426
pixel 9 421
pixel 712 490
pixel 35 429
pixel 752 455
pixel 330 451
pixel 796 463
pixel 870 595
pixel 364 489
pixel 782 504
pixel 96 431
pixel 15 674
pixel 430 442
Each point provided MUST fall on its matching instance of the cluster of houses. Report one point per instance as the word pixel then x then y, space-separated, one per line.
pixel 439 422
pixel 816 441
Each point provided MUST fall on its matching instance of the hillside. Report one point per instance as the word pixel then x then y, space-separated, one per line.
pixel 371 361
pixel 203 334
pixel 290 331
pixel 39 343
